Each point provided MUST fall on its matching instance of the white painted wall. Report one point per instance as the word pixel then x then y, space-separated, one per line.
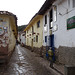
pixel 64 37
pixel 46 33
pixel 23 40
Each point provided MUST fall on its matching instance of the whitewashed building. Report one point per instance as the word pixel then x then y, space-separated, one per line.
pixel 23 39
pixel 46 29
pixel 60 18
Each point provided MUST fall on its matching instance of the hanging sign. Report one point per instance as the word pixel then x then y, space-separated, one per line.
pixel 71 23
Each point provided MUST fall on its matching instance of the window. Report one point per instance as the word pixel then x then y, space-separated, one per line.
pixel 38 24
pixel 36 38
pixel 73 3
pixel 55 13
pixel 51 18
pixel 51 15
pixel 45 38
pixel 45 19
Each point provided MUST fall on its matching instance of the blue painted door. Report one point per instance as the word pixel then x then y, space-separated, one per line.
pixel 52 40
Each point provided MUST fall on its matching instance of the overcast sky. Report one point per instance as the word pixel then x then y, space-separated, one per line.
pixel 24 9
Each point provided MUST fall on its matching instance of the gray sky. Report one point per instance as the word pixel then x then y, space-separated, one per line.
pixel 24 9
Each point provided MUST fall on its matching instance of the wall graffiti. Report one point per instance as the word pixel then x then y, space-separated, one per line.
pixel 3 33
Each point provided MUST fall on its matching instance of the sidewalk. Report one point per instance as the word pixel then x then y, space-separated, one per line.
pixel 57 70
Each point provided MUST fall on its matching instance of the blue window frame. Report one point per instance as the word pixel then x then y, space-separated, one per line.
pixel 45 38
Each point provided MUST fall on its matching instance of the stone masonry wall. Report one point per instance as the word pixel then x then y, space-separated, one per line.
pixel 63 55
pixel 66 55
pixel 41 51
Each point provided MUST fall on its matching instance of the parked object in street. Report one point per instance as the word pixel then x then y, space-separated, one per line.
pixel 8 34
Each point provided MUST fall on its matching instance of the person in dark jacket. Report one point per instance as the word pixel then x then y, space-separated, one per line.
pixel 50 53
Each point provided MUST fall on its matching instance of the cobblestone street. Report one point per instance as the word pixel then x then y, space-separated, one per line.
pixel 24 62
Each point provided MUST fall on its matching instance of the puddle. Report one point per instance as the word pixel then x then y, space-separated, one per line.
pixel 18 69
pixel 24 69
pixel 20 64
pixel 21 58
pixel 23 64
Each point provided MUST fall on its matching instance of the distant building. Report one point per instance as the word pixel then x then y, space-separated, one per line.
pixel 23 39
pixel 22 36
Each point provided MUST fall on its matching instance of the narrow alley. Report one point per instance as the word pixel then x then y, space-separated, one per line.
pixel 45 45
pixel 24 62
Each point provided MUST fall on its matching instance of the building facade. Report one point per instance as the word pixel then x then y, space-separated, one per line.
pixel 61 21
pixel 8 34
pixel 23 39
pixel 63 30
pixel 34 33
pixel 58 26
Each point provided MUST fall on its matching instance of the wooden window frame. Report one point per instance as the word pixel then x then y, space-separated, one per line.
pixel 36 38
pixel 38 24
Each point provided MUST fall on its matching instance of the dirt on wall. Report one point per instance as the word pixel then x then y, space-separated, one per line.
pixel 66 55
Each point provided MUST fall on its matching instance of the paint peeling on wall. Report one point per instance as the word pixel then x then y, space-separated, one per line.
pixel 3 33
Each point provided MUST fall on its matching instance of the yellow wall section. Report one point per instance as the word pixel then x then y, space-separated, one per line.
pixel 36 30
pixel 12 39
pixel 11 36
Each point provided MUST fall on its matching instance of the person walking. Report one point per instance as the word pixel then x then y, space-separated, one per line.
pixel 50 53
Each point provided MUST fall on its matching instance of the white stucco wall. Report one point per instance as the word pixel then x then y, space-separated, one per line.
pixel 46 33
pixel 23 40
pixel 64 37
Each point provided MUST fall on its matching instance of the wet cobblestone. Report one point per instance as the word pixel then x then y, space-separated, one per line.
pixel 23 62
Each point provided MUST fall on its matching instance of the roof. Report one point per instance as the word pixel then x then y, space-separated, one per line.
pixel 44 8
pixel 6 13
pixel 47 4
pixel 33 17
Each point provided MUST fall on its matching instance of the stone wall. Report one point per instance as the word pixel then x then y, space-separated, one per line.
pixel 28 47
pixel 56 55
pixel 41 51
pixel 63 55
pixel 66 55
